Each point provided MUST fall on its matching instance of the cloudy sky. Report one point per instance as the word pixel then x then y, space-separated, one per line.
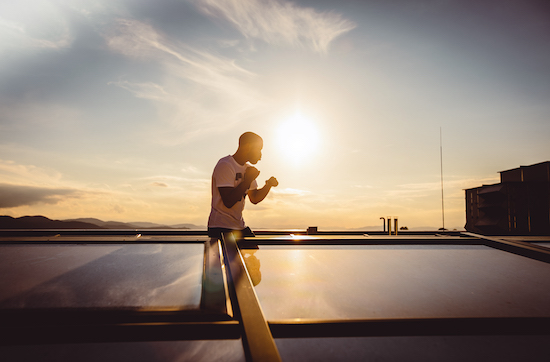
pixel 120 109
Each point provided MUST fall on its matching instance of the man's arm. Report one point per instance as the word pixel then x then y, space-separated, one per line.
pixel 232 195
pixel 258 195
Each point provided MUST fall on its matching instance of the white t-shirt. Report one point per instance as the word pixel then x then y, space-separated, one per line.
pixel 228 173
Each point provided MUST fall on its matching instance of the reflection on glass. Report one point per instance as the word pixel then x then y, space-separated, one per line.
pixel 253 266
pixel 417 348
pixel 166 276
pixel 397 281
pixel 215 350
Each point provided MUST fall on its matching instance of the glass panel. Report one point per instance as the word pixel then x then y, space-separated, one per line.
pixel 215 350
pixel 128 276
pixel 397 281
pixel 430 348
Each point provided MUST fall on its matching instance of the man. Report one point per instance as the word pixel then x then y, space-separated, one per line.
pixel 233 178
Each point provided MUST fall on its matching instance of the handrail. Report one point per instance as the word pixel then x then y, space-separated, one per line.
pixel 516 247
pixel 258 342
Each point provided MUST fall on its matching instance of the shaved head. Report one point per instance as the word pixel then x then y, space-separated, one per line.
pixel 250 148
pixel 249 138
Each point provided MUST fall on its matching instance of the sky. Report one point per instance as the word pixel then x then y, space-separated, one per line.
pixel 119 110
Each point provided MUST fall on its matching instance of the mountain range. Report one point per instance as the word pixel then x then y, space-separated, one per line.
pixel 42 222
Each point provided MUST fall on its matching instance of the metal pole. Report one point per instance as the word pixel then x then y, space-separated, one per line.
pixel 258 342
pixel 441 159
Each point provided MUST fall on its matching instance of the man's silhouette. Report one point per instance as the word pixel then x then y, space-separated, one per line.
pixel 234 178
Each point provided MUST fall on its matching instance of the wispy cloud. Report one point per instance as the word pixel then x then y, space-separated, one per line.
pixel 184 184
pixel 291 192
pixel 147 90
pixel 279 21
pixel 16 173
pixel 139 39
pixel 33 24
pixel 159 184
pixel 200 91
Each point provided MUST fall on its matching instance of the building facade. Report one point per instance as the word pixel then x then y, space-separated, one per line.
pixel 518 205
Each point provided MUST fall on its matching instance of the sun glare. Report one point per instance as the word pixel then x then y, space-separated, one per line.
pixel 298 139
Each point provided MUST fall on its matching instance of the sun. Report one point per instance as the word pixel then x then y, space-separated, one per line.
pixel 298 139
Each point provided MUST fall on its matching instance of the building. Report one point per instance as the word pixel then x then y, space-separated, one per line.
pixel 518 205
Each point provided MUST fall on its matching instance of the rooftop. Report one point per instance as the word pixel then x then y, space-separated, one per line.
pixel 157 295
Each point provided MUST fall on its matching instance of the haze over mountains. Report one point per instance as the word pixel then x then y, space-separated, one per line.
pixel 42 222
pixel 134 225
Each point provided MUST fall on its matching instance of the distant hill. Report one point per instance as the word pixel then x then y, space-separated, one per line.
pixel 135 225
pixel 188 226
pixel 41 222
pixel 106 224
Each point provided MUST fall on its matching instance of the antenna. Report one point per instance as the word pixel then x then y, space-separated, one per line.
pixel 441 159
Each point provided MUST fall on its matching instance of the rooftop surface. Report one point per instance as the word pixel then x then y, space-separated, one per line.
pixel 170 295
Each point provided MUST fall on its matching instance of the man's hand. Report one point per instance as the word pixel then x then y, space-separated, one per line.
pixel 250 174
pixel 258 195
pixel 272 182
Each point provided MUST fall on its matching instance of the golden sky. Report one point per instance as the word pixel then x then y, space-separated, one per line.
pixel 120 110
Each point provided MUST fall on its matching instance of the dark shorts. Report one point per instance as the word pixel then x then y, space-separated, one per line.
pixel 217 232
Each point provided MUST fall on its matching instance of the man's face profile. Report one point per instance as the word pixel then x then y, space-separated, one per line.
pixel 255 152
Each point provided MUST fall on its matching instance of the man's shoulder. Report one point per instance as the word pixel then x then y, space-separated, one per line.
pixel 226 161
pixel 225 164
